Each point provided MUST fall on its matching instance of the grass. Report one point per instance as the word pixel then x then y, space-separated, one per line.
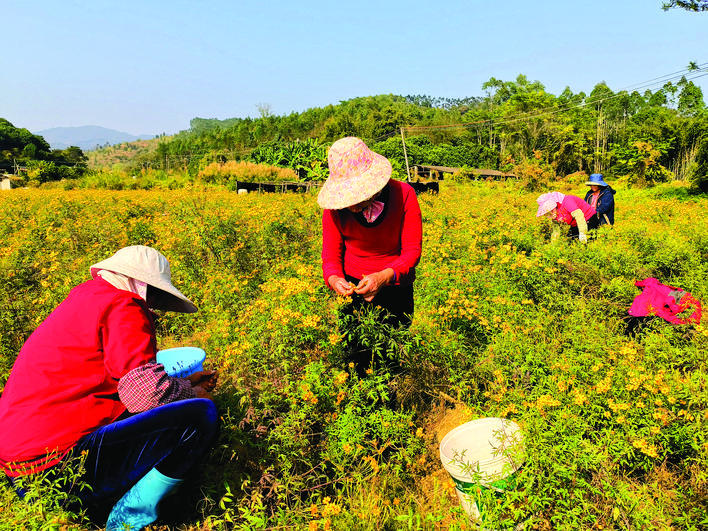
pixel 506 324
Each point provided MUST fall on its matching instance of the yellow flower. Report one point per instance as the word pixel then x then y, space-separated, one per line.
pixel 373 463
pixel 511 408
pixel 331 509
pixel 617 406
pixel 627 350
pixel 645 447
pixel 603 386
pixel 545 401
pixel 308 395
pixel 579 398
pixel 340 378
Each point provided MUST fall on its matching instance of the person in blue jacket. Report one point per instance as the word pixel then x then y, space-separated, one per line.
pixel 601 197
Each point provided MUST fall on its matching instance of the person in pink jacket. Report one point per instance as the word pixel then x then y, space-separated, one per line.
pixel 567 210
pixel 86 382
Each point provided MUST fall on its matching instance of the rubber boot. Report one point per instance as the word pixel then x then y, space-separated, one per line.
pixel 138 507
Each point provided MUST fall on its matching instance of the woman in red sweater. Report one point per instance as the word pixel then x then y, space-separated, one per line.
pixel 371 233
pixel 86 383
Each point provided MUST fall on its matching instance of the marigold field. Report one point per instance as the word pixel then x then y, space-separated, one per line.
pixel 507 324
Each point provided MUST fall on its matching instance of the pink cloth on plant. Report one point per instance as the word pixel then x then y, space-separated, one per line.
pixel 665 301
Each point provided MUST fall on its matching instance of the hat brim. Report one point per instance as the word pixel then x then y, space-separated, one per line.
pixel 545 207
pixel 596 183
pixel 174 301
pixel 349 192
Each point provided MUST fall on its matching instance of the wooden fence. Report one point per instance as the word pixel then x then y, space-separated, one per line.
pixel 282 187
pixel 438 172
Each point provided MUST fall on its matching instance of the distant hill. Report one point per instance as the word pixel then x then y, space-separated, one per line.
pixel 125 153
pixel 86 137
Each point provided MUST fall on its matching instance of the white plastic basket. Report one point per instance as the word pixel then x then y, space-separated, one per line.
pixel 482 454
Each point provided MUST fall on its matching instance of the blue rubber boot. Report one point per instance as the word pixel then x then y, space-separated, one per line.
pixel 138 507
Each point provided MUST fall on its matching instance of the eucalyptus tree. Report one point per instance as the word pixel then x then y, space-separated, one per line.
pixel 688 5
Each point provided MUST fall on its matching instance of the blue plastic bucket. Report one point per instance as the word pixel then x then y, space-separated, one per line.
pixel 482 455
pixel 181 361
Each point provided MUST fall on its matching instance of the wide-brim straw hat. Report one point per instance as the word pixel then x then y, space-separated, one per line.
pixel 150 266
pixel 596 179
pixel 355 174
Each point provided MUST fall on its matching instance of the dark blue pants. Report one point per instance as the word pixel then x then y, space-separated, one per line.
pixel 171 438
pixel 397 301
pixel 398 306
pixel 593 223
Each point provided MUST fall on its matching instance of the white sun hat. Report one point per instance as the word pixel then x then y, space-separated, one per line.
pixel 150 266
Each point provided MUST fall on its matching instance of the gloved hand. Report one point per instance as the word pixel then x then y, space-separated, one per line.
pixel 582 237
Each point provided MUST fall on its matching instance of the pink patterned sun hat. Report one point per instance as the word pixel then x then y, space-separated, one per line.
pixel 355 174
pixel 545 207
pixel 547 202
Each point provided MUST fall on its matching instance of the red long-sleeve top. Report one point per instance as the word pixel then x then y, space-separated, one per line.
pixel 65 381
pixel 393 240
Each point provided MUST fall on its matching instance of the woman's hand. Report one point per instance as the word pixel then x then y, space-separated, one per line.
pixel 200 392
pixel 340 285
pixel 205 380
pixel 371 284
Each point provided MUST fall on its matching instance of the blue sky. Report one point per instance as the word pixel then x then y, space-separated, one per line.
pixel 149 67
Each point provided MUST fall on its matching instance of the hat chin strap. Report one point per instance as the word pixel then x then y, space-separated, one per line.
pixel 126 283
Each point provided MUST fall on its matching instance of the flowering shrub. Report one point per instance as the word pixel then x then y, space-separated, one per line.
pixel 507 324
pixel 244 171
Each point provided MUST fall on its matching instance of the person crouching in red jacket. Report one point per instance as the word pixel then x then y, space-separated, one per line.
pixel 86 382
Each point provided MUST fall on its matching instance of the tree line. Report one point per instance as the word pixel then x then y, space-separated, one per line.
pixel 645 135
pixel 32 159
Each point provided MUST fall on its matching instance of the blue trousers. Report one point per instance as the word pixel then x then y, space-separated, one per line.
pixel 171 438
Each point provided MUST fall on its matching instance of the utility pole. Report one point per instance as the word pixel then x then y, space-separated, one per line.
pixel 405 154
